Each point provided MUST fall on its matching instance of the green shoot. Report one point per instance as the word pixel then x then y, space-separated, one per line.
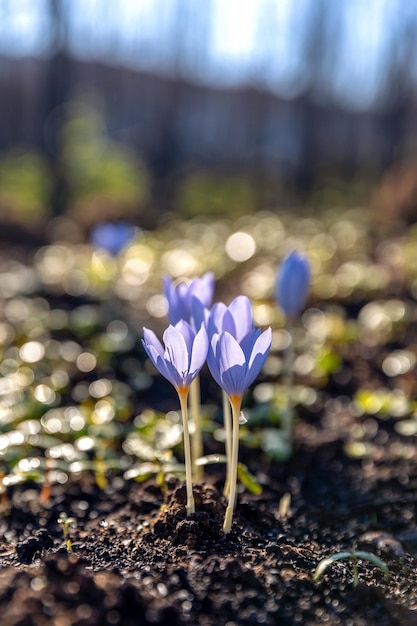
pixel 245 477
pixel 353 555
pixel 284 506
pixel 157 469
pixel 66 522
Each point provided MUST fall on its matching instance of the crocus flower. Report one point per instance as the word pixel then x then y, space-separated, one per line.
pixel 235 365
pixel 190 302
pixel 292 286
pixel 180 361
pixel 293 283
pixel 180 297
pixel 112 237
pixel 236 319
pixel 184 354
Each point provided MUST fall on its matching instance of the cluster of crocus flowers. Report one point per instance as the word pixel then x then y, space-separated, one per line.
pixel 235 353
pixel 184 299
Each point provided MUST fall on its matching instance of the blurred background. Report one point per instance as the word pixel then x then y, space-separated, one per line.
pixel 145 138
pixel 138 109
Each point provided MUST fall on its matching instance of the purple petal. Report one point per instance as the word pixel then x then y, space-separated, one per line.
pixel 199 351
pixel 241 310
pixel 187 332
pixel 174 312
pixel 215 321
pixel 199 313
pixel 232 365
pixel 151 352
pixel 258 357
pixel 228 324
pixel 160 363
pixel 203 288
pixel 150 339
pixel 182 302
pixel 176 351
pixel 248 342
pixel 177 378
pixel 212 360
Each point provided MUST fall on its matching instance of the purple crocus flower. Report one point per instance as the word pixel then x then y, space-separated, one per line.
pixel 184 354
pixel 234 365
pixel 112 237
pixel 236 319
pixel 293 283
pixel 181 296
pixel 180 361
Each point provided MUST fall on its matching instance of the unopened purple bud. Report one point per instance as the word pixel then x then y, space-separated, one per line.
pixel 112 237
pixel 293 283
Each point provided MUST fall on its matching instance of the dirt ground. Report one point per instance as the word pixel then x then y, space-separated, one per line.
pixel 137 559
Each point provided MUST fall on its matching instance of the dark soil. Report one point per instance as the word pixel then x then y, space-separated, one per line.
pixel 137 559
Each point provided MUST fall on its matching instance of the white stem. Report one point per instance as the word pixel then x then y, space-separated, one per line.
pixel 183 395
pixel 227 419
pixel 197 438
pixel 236 402
pixel 288 416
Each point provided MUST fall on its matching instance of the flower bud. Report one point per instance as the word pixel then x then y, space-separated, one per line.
pixel 293 283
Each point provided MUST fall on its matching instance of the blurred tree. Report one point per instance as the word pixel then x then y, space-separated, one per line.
pixel 301 99
pixel 105 180
pixel 187 39
pixel 397 90
pixel 56 93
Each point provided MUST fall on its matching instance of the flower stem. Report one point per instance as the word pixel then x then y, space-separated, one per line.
pixel 236 402
pixel 183 396
pixel 197 438
pixel 355 568
pixel 288 414
pixel 227 418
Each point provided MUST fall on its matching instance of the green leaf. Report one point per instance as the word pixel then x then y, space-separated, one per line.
pixel 324 564
pixel 368 556
pixel 248 479
pixel 211 459
pixel 353 556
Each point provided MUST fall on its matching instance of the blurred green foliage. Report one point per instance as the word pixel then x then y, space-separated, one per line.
pixel 216 195
pixel 25 185
pixel 98 167
pixel 103 178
